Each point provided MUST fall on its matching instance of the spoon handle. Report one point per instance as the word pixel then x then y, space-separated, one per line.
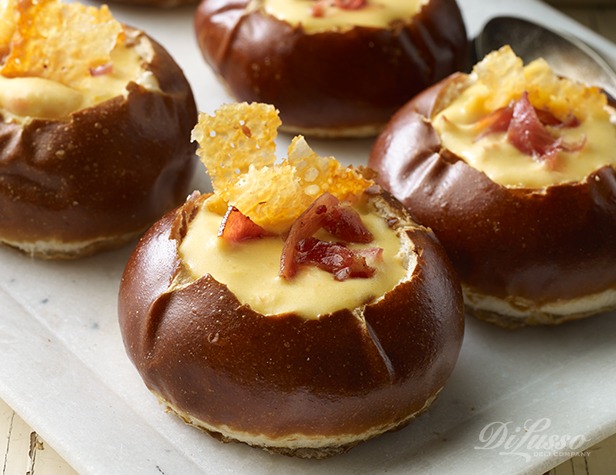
pixel 607 83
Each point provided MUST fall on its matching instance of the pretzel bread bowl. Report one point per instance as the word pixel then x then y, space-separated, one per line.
pixel 96 121
pixel 303 320
pixel 333 68
pixel 514 170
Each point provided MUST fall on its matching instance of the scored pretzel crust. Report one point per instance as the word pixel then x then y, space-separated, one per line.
pixel 524 256
pixel 98 178
pixel 330 83
pixel 304 387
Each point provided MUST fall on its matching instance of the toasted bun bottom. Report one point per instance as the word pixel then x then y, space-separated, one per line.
pixel 515 312
pixel 57 249
pixel 296 445
pixel 363 131
pixel 333 132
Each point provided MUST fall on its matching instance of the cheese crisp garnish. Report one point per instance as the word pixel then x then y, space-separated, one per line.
pixel 237 146
pixel 61 42
pixel 8 22
pixel 56 59
pixel 505 78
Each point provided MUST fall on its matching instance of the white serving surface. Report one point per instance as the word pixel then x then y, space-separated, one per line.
pixel 64 370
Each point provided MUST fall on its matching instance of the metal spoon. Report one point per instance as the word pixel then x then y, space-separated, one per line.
pixel 567 55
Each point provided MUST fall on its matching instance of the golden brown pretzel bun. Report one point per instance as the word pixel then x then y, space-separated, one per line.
pixel 525 255
pixel 336 82
pixel 305 387
pixel 97 178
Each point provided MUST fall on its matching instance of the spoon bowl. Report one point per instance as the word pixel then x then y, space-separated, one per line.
pixel 567 55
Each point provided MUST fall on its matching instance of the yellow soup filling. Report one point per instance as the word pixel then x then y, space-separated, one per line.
pixel 372 13
pixel 30 97
pixel 250 269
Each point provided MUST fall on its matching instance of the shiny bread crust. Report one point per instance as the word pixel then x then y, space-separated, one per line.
pixel 95 180
pixel 329 84
pixel 524 256
pixel 308 388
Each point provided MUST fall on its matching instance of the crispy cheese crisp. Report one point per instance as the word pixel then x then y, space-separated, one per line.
pixel 234 138
pixel 8 24
pixel 237 146
pixel 506 78
pixel 56 41
pixel 326 174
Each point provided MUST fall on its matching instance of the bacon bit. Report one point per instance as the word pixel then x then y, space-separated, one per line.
pixel 301 248
pixel 371 254
pixel 547 118
pixel 325 212
pixel 333 257
pixel 526 132
pixel 319 8
pixel 529 135
pixel 350 4
pixel 101 70
pixel 235 227
pixel 345 223
pixel 500 120
pixel 496 121
pixel 526 129
pixel 308 223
